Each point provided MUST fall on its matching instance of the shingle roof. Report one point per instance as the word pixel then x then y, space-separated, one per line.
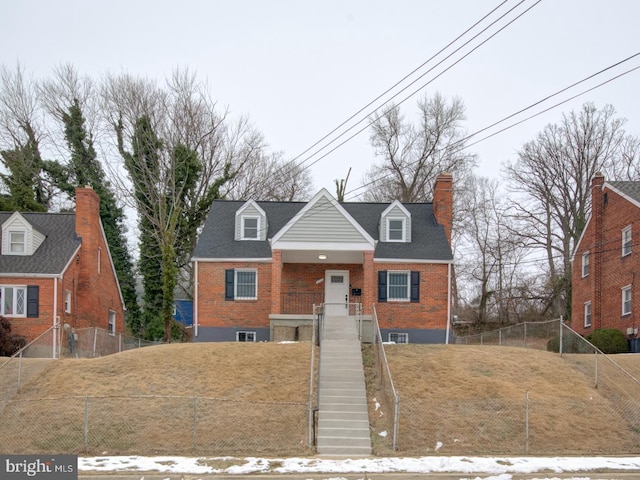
pixel 631 189
pixel 53 254
pixel 429 241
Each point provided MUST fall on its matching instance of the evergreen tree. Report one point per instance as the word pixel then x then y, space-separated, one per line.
pixel 83 169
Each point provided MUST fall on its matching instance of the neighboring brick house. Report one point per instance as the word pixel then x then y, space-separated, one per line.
pixel 606 260
pixel 260 264
pixel 55 268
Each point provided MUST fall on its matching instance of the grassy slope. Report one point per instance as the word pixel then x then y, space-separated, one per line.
pixel 469 398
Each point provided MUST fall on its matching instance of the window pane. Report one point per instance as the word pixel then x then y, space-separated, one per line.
pixel 245 284
pixel 8 301
pixel 398 285
pixel 20 301
pixel 17 242
pixel 250 228
pixel 395 229
pixel 337 279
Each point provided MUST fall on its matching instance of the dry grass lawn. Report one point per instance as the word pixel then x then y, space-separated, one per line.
pixel 251 399
pixel 457 399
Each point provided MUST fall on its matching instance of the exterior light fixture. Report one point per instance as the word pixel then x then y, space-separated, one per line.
pixel 322 256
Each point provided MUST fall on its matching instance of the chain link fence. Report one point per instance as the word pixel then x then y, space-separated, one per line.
pixel 526 335
pixel 149 425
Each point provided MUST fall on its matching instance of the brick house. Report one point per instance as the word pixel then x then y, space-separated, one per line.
pixel 606 260
pixel 258 265
pixel 56 269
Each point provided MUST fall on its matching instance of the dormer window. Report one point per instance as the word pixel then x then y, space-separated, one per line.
pixel 250 228
pixel 17 242
pixel 396 229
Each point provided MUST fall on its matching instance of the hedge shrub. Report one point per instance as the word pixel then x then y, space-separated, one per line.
pixel 609 340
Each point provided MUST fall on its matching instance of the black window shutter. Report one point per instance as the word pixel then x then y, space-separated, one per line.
pixel 382 286
pixel 229 276
pixel 33 301
pixel 415 287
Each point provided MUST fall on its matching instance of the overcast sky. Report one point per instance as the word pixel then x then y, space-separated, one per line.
pixel 298 69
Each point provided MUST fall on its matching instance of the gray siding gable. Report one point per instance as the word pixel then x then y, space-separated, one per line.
pixel 323 220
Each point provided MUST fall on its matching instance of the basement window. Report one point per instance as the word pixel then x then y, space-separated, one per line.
pixel 399 337
pixel 245 336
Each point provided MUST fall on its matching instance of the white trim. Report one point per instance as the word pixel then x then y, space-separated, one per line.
pixel 235 283
pixel 257 218
pixel 407 274
pixel 622 292
pixel 252 332
pixel 446 341
pixel 195 299
pixel 625 230
pixel 412 260
pixel 14 289
pixel 328 246
pixel 403 220
pixel 405 335
pixel 588 264
pixel 395 203
pixel 232 259
pixel 584 315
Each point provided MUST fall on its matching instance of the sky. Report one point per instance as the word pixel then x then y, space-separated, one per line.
pixel 299 69
pixel 476 468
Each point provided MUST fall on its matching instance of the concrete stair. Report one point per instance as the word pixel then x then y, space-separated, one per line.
pixel 343 418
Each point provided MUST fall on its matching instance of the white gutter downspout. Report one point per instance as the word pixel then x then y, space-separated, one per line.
pixel 448 303
pixel 56 327
pixel 195 299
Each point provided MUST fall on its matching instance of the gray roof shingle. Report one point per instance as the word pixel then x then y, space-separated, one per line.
pixel 429 241
pixel 632 189
pixel 53 254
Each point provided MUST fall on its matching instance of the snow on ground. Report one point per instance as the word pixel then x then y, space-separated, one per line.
pixel 499 468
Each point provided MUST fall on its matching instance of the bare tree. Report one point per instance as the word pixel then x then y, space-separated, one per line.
pixel 551 186
pixel 491 264
pixel 269 177
pixel 412 156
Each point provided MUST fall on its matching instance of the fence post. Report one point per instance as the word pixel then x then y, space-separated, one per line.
pixel 500 337
pixel 86 424
pixel 95 339
pixel 19 371
pixel 195 422
pixel 561 335
pixel 396 420
pixel 596 370
pixel 526 447
pixel 525 334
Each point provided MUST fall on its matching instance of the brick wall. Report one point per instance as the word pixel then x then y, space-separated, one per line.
pixel 212 308
pixel 430 312
pixel 606 260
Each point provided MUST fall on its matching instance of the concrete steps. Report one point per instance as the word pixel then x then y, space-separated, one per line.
pixel 343 419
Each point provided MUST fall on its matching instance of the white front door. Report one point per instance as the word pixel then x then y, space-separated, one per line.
pixel 336 292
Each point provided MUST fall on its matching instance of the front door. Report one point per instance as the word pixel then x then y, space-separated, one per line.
pixel 336 292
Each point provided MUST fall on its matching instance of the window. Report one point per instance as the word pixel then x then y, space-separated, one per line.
pixel 626 300
pixel 250 228
pixel 67 301
pixel 399 337
pixel 398 287
pixel 587 314
pixel 626 241
pixel 585 264
pixel 112 322
pixel 13 301
pixel 241 284
pixel 245 336
pixel 17 242
pixel 395 229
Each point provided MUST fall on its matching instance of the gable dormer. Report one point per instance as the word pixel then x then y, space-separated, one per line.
pixel 395 224
pixel 251 222
pixel 19 237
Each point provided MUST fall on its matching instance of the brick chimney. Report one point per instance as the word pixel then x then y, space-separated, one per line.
pixel 443 202
pixel 597 211
pixel 87 213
